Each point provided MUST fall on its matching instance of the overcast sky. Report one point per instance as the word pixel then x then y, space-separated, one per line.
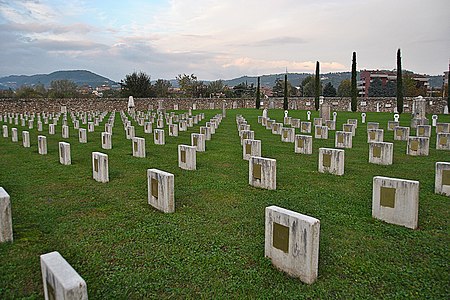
pixel 222 39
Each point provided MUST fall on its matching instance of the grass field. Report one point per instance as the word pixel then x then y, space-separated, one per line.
pixel 213 245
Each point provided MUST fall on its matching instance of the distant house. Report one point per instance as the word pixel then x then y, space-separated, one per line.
pixel 367 76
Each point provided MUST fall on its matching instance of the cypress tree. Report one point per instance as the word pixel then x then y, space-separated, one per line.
pixel 285 102
pixel 399 83
pixel 354 91
pixel 258 95
pixel 317 87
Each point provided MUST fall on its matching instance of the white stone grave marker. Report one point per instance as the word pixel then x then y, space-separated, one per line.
pixel 187 157
pixel 161 190
pixel 100 170
pixel 303 144
pixel 42 144
pixel 381 153
pixel 263 172
pixel 6 231
pixel 64 153
pixel 442 178
pixel 331 161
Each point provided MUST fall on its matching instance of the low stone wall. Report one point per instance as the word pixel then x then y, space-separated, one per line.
pixel 434 105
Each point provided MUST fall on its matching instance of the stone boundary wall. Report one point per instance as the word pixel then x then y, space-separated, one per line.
pixel 434 105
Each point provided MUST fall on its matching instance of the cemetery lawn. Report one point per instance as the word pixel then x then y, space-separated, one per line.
pixel 213 245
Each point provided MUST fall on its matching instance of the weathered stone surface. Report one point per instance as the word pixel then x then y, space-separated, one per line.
pixel 343 139
pixel 381 153
pixel 159 137
pixel 106 140
pixel 262 172
pixel 443 141
pixel 303 144
pixel 187 157
pixel 442 178
pixel 6 230
pixel 401 133
pixel 375 135
pixel 138 147
pixel 161 190
pixel 418 146
pixel 100 171
pixel 64 153
pixel 42 144
pixel 292 242
pixel 396 201
pixel 331 161
pixel 251 148
pixel 60 280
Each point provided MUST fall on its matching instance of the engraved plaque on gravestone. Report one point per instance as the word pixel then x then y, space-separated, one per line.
pixel 445 177
pixel 387 197
pixel 377 151
pixel 155 188
pixel 347 129
pixel 280 237
pixel 195 141
pixel 183 156
pixel 440 128
pixel 104 140
pixel 245 135
pixel 135 146
pixel 372 135
pixel 248 148
pixel 319 130
pixel 443 141
pixel 399 132
pixel 304 127
pixel 257 171
pixel 301 143
pixel 326 160
pixel 157 135
pixel 285 134
pixel 341 138
pixel 414 145
pixel 421 131
pixel 63 153
pixel 96 164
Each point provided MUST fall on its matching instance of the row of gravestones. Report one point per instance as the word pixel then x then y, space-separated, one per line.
pixel 292 239
pixel 60 280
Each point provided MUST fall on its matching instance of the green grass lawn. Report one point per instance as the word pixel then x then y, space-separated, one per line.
pixel 213 245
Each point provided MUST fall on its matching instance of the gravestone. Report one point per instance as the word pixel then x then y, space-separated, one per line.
pixel 64 153
pixel 198 140
pixel 375 135
pixel 277 128
pixel 335 116
pixel 51 129
pixel 321 132
pixel 14 135
pixel 65 132
pixel 331 125
pixel 60 280
pixel 39 126
pixel 206 131
pixel 396 201
pixel 292 242
pixel 82 136
pixel 381 153
pixel 442 127
pixel 246 134
pixel 130 132
pixel 264 114
pixel 331 161
pixel 443 141
pixel 211 127
pixel 91 127
pixel 418 112
pixel 138 147
pixel 106 140
pixel 305 127
pixel 5 131
pixel 6 231
pixel 148 127
pixel 161 190
pixel 396 117
pixel 287 135
pixel 343 139
pixel 401 133
pixel 100 170
pixel 158 137
pixel 182 125
pixel 442 178
pixel 423 131
pixel 363 118
pixel 250 147
pixel 349 128
pixel 324 112
pixel 263 172
pixel 42 144
pixel 173 129
pixel 187 157
pixel 160 123
pixel 26 139
pixel 295 123
pixel 308 115
pixel 418 146
pixel 392 125
pixel 434 119
pixel 303 144
pixel 318 122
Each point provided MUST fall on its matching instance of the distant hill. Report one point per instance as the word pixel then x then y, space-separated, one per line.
pixel 80 77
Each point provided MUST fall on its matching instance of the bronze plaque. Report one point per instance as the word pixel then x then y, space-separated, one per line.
pixel 135 146
pixel 280 237
pixel 340 138
pixel 439 128
pixel 319 130
pixel 183 156
pixel 104 140
pixel 326 160
pixel 372 135
pixel 257 171
pixel 445 177
pixel 195 140
pixel 285 134
pixel 202 130
pixel 245 136
pixel 275 127
pixel 96 164
pixel 421 131
pixel 399 132
pixel 391 125
pixel 387 197
pixel 376 151
pixel 304 127
pixel 347 128
pixel 157 135
pixel 248 148
pixel 443 141
pixel 414 145
pixel 154 187
pixel 301 143
pixel 50 291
